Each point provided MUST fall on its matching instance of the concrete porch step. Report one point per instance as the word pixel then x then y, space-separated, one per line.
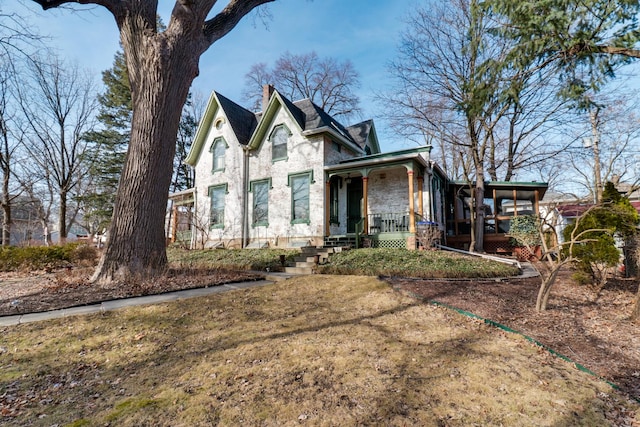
pixel 299 270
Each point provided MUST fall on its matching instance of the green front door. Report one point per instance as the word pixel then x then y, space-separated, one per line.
pixel 354 204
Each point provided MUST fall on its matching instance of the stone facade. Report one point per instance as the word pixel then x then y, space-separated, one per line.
pixel 321 155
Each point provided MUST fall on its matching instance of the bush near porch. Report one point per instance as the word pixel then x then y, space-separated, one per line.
pixel 420 264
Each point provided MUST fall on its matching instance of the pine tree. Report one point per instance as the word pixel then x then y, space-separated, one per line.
pixel 112 141
pixel 110 145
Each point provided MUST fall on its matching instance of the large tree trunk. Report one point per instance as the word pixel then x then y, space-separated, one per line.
pixel 136 241
pixel 161 68
pixel 6 224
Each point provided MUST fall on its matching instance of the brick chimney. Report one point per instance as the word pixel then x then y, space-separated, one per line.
pixel 267 91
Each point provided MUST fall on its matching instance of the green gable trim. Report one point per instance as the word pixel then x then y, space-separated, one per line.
pixel 525 184
pixel 388 155
pixel 275 103
pixel 203 130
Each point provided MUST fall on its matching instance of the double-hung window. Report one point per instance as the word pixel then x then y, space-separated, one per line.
pixel 279 139
pixel 260 191
pixel 216 213
pixel 218 148
pixel 300 186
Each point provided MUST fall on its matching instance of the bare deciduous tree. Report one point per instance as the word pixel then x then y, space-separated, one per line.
pixel 605 149
pixel 487 120
pixel 325 81
pixel 162 65
pixel 10 139
pixel 59 108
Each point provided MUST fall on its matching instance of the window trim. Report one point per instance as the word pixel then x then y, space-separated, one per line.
pixel 309 176
pixel 271 137
pixel 252 185
pixel 212 150
pixel 225 188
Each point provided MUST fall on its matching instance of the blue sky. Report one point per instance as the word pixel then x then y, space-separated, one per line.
pixel 363 31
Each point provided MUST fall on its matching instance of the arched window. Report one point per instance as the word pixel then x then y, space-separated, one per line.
pixel 279 138
pixel 218 149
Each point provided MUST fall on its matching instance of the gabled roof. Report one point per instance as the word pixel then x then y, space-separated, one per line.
pixel 250 128
pixel 360 133
pixel 310 119
pixel 242 121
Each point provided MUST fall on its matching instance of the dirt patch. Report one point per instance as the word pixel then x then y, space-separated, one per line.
pixel 591 330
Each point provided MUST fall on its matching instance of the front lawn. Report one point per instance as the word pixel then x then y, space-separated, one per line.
pixel 314 350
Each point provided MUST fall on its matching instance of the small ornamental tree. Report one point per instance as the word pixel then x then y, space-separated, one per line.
pixel 614 218
pixel 556 257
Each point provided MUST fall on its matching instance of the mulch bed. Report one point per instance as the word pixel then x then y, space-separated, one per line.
pixel 592 330
pixel 64 289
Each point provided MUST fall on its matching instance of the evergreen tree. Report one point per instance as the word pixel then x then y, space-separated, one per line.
pixel 614 219
pixel 110 145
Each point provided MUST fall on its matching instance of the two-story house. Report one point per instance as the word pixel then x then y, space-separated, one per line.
pixel 292 175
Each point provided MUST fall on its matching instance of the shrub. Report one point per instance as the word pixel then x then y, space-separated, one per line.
pixel 43 257
pixel 405 263
pixel 582 278
pixel 524 231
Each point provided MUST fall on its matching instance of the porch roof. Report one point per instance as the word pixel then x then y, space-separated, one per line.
pixel 525 189
pixel 393 158
pixel 183 197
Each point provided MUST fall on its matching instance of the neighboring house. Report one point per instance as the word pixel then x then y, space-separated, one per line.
pixel 26 226
pixel 293 175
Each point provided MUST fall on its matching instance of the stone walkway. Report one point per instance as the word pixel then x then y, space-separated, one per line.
pixel 135 301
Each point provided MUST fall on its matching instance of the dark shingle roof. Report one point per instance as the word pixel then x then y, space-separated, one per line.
pixel 316 118
pixel 242 121
pixel 360 132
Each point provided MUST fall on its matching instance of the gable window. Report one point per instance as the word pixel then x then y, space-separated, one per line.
pixel 279 139
pixel 218 148
pixel 260 191
pixel 300 184
pixel 216 213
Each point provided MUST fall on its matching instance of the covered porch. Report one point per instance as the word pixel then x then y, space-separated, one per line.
pixel 180 218
pixel 502 201
pixel 381 199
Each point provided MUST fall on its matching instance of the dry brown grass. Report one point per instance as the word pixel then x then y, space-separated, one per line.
pixel 316 350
